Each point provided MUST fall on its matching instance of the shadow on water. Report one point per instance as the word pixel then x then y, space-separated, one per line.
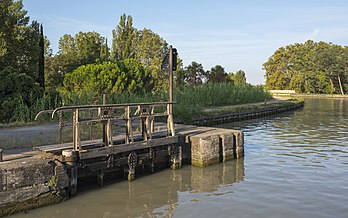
pixel 157 195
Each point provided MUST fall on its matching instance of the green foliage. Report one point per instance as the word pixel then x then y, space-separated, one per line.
pixel 150 49
pixel 123 39
pixel 19 41
pixel 14 21
pixel 192 100
pixel 92 80
pixel 239 78
pixel 83 48
pixel 217 74
pixel 18 92
pixel 193 74
pixel 143 45
pixel 309 67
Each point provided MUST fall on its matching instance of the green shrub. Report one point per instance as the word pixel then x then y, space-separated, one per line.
pixel 17 91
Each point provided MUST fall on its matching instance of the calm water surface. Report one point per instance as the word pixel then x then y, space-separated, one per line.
pixel 295 165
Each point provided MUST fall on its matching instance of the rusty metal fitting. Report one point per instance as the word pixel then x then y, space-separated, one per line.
pixel 70 155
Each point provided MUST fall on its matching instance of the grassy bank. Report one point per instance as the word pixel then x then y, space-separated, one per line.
pixel 250 107
pixel 190 101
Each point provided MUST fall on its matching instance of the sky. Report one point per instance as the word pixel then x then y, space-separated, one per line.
pixel 236 34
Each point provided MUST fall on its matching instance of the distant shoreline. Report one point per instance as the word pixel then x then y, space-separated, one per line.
pixel 310 95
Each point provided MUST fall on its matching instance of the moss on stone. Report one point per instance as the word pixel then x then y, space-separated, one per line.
pixel 205 163
pixel 22 207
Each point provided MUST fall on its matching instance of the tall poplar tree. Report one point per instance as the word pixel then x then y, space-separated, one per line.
pixel 123 39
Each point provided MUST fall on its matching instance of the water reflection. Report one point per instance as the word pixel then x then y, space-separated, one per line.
pixel 312 136
pixel 156 195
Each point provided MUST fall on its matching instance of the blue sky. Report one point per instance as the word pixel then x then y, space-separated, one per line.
pixel 235 34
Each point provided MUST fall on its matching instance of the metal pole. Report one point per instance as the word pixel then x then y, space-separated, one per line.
pixel 170 80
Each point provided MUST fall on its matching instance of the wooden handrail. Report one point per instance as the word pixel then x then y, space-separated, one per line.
pixel 145 113
pixel 108 106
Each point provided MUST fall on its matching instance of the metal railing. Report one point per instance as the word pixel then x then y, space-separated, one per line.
pixel 108 113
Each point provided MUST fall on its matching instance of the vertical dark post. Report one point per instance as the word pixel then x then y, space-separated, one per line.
pixel 170 80
pixel 42 59
pixel 107 132
pixel 61 126
pixel 1 155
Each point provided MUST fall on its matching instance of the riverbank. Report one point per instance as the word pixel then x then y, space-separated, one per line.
pixel 226 114
pixel 294 95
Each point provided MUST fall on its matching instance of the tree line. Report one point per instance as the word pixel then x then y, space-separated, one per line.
pixel 85 64
pixel 310 67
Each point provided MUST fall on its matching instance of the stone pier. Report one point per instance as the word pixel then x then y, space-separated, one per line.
pixel 204 146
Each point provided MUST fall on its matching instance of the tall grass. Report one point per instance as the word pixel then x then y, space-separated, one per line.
pixel 190 101
pixel 25 112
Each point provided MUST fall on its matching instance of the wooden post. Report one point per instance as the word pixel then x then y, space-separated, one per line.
pixel 90 124
pixel 129 131
pixel 71 157
pixel 61 125
pixel 108 130
pixel 1 159
pixel 76 134
pixel 152 120
pixel 170 122
pixel 148 126
pixel 143 128
pixel 126 113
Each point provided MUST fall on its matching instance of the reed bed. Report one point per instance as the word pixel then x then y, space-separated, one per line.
pixel 190 101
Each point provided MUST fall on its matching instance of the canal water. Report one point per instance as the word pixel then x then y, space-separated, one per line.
pixel 295 165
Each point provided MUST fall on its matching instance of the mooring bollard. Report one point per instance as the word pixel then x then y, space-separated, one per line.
pixel 71 157
pixel 1 155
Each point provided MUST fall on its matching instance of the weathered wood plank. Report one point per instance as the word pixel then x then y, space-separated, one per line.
pixel 115 149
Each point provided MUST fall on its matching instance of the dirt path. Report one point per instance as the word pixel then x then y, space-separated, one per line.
pixel 230 107
pixel 24 137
